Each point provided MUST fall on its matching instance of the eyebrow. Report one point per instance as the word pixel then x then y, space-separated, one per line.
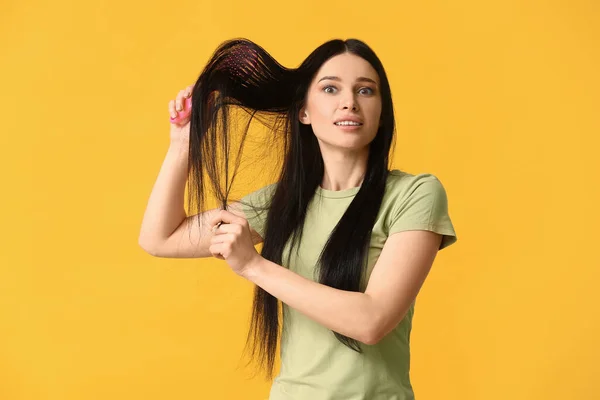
pixel 359 79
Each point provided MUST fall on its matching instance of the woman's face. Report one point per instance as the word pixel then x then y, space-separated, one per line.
pixel 345 88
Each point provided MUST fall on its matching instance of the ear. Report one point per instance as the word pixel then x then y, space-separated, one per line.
pixel 303 116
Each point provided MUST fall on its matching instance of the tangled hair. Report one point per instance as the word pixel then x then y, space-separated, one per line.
pixel 242 76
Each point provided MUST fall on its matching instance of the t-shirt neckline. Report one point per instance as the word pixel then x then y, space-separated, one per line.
pixel 337 194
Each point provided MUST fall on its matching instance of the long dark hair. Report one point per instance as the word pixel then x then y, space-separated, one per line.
pixel 242 76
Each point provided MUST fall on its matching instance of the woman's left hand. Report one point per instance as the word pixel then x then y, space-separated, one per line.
pixel 232 242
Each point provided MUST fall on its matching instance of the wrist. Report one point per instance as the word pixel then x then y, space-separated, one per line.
pixel 179 146
pixel 253 267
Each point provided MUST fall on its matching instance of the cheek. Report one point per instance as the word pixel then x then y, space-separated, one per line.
pixel 320 113
pixel 320 119
pixel 374 112
pixel 319 109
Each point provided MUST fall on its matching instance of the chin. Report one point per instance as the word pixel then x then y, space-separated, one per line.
pixel 356 143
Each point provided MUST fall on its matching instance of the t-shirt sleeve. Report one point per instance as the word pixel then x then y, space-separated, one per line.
pixel 425 207
pixel 256 207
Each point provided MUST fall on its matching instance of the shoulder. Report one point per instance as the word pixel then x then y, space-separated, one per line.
pixel 403 184
pixel 418 202
pixel 414 193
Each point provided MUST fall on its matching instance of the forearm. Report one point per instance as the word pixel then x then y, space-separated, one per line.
pixel 346 312
pixel 165 210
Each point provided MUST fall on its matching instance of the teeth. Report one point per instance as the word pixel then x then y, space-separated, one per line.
pixel 347 123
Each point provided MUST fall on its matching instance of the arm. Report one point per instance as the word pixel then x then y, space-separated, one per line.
pixel 398 275
pixel 166 229
pixel 165 210
pixel 367 317
pixel 345 312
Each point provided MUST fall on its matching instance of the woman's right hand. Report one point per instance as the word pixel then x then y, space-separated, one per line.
pixel 179 112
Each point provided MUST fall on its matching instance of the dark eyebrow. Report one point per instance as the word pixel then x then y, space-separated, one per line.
pixel 360 79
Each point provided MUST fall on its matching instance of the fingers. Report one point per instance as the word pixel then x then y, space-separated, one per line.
pixel 223 238
pixel 227 217
pixel 214 228
pixel 179 99
pixel 222 228
pixel 217 251
pixel 172 111
pixel 176 105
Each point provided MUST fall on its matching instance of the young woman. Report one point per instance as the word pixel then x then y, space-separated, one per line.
pixel 347 243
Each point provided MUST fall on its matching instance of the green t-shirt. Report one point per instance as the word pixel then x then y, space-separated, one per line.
pixel 314 364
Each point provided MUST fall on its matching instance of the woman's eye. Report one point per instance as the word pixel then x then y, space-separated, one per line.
pixel 363 90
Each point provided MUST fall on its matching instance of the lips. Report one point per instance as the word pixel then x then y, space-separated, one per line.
pixel 350 119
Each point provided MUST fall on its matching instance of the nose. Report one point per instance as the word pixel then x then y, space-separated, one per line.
pixel 349 102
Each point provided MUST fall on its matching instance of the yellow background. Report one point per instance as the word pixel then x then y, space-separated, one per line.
pixel 499 99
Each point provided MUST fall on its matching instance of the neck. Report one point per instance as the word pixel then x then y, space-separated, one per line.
pixel 344 170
